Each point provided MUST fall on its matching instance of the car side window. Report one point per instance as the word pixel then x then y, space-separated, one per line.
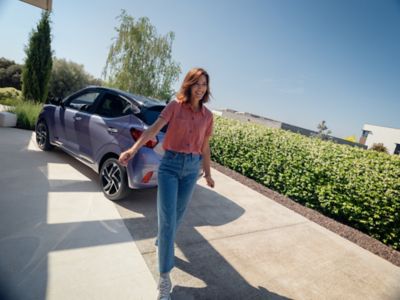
pixel 113 106
pixel 83 102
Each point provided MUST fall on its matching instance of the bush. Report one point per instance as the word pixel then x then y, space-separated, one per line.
pixel 10 73
pixel 357 187
pixel 10 102
pixel 379 147
pixel 27 113
pixel 10 96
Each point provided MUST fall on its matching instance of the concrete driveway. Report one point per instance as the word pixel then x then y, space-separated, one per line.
pixel 61 239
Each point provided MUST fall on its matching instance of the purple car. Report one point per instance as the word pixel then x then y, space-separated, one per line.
pixel 95 125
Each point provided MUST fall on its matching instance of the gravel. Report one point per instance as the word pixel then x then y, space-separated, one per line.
pixel 349 233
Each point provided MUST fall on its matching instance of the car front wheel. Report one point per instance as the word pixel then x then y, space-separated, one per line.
pixel 114 180
pixel 43 136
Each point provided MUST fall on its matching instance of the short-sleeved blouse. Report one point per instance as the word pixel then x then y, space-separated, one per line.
pixel 187 129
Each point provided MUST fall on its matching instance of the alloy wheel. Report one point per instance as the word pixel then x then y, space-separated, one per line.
pixel 111 178
pixel 41 135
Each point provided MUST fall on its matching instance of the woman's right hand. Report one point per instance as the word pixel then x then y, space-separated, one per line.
pixel 125 156
pixel 148 134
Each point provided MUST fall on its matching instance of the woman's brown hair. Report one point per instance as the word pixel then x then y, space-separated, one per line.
pixel 190 79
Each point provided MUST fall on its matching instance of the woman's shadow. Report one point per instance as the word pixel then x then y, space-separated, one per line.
pixel 195 258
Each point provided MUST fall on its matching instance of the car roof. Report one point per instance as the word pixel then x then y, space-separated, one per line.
pixel 144 101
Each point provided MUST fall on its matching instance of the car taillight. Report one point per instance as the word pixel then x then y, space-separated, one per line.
pixel 136 135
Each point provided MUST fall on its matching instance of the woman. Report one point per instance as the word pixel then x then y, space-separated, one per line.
pixel 186 145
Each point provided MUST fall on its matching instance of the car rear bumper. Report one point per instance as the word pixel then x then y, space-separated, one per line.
pixel 143 169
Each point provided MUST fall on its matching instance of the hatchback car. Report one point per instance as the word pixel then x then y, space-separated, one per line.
pixel 95 125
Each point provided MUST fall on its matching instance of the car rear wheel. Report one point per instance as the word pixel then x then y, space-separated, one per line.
pixel 43 136
pixel 114 180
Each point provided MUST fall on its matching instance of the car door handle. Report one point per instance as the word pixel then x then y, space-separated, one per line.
pixel 77 118
pixel 112 130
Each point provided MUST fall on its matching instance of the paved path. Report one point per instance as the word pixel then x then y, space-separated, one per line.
pixel 238 244
pixel 61 239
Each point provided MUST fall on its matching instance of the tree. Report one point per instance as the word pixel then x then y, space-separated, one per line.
pixel 140 60
pixel 10 74
pixel 323 130
pixel 38 63
pixel 67 77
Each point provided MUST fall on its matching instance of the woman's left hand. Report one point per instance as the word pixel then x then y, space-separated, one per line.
pixel 210 181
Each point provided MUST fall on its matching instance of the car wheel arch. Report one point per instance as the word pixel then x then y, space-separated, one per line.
pixel 105 157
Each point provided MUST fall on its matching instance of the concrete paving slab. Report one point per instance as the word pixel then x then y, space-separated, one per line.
pixel 238 244
pixel 60 238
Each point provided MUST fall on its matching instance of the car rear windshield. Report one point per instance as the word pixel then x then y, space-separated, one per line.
pixel 150 114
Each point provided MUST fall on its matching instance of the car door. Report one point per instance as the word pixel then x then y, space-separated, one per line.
pixel 109 120
pixel 76 118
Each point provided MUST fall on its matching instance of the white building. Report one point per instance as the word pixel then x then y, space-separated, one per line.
pixel 389 137
pixel 217 112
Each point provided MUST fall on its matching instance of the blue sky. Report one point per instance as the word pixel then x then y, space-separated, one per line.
pixel 299 62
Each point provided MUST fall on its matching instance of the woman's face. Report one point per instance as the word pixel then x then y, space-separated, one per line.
pixel 199 88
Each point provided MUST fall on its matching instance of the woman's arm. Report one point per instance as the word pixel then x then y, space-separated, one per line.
pixel 148 134
pixel 207 162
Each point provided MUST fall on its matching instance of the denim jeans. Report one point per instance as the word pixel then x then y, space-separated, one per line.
pixel 177 177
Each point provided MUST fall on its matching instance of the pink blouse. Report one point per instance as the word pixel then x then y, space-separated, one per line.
pixel 187 128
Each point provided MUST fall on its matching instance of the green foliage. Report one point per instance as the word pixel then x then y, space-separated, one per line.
pixel 140 61
pixel 323 131
pixel 68 77
pixel 27 113
pixel 37 69
pixel 9 96
pixel 357 187
pixel 9 102
pixel 10 74
pixel 379 147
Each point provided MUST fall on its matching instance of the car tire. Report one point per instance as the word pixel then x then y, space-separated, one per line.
pixel 43 136
pixel 114 180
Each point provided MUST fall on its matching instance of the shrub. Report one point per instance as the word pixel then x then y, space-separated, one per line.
pixel 10 102
pixel 357 187
pixel 9 96
pixel 10 73
pixel 379 147
pixel 9 93
pixel 27 113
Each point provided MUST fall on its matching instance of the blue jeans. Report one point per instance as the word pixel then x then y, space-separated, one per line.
pixel 177 176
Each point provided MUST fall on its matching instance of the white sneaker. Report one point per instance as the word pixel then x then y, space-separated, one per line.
pixel 164 287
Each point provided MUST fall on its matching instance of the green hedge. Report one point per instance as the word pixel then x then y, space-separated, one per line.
pixel 358 187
